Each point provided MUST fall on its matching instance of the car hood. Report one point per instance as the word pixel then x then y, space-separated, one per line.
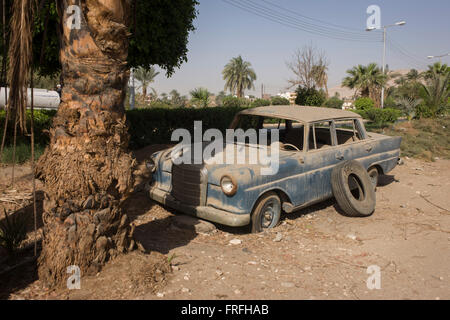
pixel 222 162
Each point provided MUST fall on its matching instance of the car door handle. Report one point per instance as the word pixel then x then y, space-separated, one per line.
pixel 339 157
pixel 369 148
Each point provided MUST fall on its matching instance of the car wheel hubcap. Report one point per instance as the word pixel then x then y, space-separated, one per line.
pixel 270 211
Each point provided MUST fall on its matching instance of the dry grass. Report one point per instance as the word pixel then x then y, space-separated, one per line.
pixel 426 139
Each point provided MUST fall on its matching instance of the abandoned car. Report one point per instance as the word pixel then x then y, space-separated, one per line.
pixel 323 153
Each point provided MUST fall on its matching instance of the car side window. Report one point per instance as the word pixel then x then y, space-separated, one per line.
pixel 294 134
pixel 320 135
pixel 347 131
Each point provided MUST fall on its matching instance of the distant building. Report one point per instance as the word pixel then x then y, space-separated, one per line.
pixel 286 95
pixel 348 104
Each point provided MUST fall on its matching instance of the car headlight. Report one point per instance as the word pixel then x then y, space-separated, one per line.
pixel 150 164
pixel 228 185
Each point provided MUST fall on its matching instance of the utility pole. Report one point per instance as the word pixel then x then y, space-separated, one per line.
pixel 132 90
pixel 400 23
pixel 262 91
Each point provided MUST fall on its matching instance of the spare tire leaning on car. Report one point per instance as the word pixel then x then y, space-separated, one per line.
pixel 353 189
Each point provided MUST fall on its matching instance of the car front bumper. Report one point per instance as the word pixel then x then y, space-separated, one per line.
pixel 203 212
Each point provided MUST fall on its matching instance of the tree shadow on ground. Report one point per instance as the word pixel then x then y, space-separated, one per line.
pixel 138 204
pixel 162 235
pixel 19 272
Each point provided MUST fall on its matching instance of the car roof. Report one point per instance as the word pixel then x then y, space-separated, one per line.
pixel 301 113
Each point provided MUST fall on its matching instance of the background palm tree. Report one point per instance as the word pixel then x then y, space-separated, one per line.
pixel 145 77
pixel 436 92
pixel 200 97
pixel 176 99
pixel 367 80
pixel 408 106
pixel 239 76
pixel 320 76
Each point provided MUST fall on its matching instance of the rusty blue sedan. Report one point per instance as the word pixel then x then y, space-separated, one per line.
pixel 322 153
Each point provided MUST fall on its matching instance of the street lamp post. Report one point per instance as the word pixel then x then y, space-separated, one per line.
pixel 440 57
pixel 400 23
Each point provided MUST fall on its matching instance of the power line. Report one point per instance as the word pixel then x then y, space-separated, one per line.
pixel 305 24
pixel 251 7
pixel 356 31
pixel 406 54
pixel 264 12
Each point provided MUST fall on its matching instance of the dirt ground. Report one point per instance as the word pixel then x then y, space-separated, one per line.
pixel 315 253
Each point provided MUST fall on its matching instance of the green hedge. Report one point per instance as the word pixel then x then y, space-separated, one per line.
pixel 146 126
pixel 150 126
pixel 42 122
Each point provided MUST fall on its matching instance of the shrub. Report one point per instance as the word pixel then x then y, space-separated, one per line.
pixel 364 104
pixel 334 102
pixel 280 101
pixel 309 97
pixel 23 152
pixel 380 117
pixel 235 102
pixel 260 103
pixel 13 231
pixel 423 111
pixel 42 122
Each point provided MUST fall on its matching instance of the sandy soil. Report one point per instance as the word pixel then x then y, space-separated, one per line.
pixel 315 253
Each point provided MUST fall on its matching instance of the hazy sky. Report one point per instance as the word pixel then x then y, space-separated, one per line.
pixel 225 31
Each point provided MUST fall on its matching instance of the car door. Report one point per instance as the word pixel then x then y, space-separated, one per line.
pixel 321 157
pixel 358 148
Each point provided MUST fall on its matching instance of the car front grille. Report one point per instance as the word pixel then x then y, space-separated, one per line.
pixel 189 184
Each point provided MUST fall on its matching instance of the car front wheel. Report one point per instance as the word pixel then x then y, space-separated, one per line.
pixel 266 213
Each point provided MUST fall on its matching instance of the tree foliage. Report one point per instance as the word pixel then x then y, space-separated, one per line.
pixel 145 77
pixel 366 80
pixel 309 66
pixel 239 76
pixel 279 101
pixel 159 34
pixel 200 97
pixel 309 97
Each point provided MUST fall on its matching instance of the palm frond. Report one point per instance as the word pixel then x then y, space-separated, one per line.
pixel 20 57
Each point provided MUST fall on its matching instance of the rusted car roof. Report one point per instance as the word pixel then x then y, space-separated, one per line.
pixel 301 113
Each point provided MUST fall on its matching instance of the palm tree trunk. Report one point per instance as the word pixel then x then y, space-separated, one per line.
pixel 86 170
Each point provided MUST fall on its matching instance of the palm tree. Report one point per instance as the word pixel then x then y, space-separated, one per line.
pixel 87 170
pixel 200 97
pixel 367 80
pixel 408 106
pixel 435 93
pixel 321 77
pixel 239 76
pixel 145 77
pixel 176 99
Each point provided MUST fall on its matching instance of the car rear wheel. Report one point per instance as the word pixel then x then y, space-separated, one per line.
pixel 353 189
pixel 266 213
pixel 373 175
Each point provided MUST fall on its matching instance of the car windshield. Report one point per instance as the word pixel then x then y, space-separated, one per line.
pixel 290 133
